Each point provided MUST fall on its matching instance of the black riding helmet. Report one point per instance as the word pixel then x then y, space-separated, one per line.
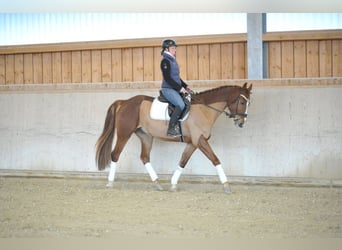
pixel 168 43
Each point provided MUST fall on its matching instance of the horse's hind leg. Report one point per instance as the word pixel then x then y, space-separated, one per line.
pixel 120 144
pixel 111 175
pixel 188 151
pixel 146 147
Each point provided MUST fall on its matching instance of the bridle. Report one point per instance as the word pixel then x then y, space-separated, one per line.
pixel 244 115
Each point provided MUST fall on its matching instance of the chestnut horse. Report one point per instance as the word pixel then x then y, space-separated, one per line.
pixel 133 116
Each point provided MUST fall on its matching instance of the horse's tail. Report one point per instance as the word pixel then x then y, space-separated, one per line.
pixel 105 141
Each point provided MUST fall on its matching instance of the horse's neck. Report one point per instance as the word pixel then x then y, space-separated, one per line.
pixel 217 110
pixel 221 94
pixel 214 110
pixel 218 100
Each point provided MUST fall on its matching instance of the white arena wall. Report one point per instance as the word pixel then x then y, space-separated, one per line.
pixel 294 129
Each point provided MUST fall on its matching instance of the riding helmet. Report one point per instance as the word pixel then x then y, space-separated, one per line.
pixel 168 43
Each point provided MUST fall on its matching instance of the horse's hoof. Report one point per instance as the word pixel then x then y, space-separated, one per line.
pixel 158 187
pixel 173 188
pixel 110 184
pixel 227 189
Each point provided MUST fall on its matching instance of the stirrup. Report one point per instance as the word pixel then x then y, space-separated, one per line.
pixel 174 132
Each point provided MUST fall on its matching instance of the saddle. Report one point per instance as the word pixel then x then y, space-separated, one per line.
pixel 161 109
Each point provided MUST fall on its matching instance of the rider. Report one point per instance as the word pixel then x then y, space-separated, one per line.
pixel 172 85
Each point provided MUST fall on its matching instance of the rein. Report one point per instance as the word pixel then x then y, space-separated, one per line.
pixel 223 111
pixel 213 108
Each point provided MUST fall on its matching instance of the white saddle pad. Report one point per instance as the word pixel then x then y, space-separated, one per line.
pixel 159 111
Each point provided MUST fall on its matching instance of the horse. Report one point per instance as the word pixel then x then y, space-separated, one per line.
pixel 133 116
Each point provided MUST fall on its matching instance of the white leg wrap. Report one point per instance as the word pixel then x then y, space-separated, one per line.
pixel 151 171
pixel 221 174
pixel 176 175
pixel 112 171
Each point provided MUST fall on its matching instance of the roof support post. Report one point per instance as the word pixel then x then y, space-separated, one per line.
pixel 256 49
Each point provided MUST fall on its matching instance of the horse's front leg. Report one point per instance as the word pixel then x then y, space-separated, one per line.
pixel 188 151
pixel 204 146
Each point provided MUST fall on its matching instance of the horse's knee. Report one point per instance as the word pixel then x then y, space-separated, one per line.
pixel 206 149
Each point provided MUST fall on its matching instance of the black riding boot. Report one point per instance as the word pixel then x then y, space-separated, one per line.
pixel 173 129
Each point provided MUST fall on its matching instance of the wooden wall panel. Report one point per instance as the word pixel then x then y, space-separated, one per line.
pixel 138 64
pixel 157 60
pixel 239 61
pixel 312 66
pixel 28 68
pixel 117 65
pixel 2 69
pixel 18 68
pixel 192 62
pixel 96 64
pixel 215 61
pixel 9 69
pixel 203 62
pixel 287 62
pixel 274 60
pixel 299 58
pixel 337 57
pixel 290 54
pixel 86 65
pixel 76 67
pixel 33 68
pixel 127 65
pixel 56 67
pixel 181 59
pixel 106 65
pixel 148 64
pixel 227 61
pixel 325 59
pixel 305 58
pixel 47 68
pixel 66 67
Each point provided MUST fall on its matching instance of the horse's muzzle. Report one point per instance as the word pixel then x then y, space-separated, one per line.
pixel 239 122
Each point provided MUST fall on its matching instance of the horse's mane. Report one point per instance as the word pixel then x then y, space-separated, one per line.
pixel 208 91
pixel 217 94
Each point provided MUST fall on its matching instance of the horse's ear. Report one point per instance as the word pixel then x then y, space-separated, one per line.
pixel 245 85
pixel 250 87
